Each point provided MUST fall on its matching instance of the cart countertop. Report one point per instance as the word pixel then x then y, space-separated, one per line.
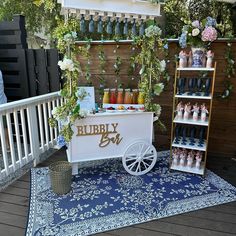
pixel 117 113
pixel 124 113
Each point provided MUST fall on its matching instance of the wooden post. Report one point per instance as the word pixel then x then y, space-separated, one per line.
pixel 33 133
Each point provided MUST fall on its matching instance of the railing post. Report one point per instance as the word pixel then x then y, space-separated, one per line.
pixel 33 133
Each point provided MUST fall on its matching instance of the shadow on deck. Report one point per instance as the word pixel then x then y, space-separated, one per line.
pixel 214 221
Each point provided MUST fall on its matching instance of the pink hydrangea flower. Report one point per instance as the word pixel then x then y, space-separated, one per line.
pixel 209 34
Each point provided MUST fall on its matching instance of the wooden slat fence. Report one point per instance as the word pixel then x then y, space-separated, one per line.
pixel 26 72
pixel 43 71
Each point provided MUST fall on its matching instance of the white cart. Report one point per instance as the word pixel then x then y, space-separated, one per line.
pixel 111 135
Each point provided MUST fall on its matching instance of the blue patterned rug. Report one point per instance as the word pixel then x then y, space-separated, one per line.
pixel 105 197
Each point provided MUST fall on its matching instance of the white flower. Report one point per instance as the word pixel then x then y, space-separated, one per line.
pixel 83 112
pixel 54 110
pixel 66 64
pixel 195 32
pixel 162 65
pixel 64 122
pixel 74 34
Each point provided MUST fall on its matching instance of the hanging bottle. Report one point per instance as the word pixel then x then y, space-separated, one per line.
pixel 109 26
pixel 82 24
pixel 125 30
pixel 91 25
pixel 142 29
pixel 117 28
pixel 100 25
pixel 133 30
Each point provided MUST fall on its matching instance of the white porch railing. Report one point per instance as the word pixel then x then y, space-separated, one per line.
pixel 25 133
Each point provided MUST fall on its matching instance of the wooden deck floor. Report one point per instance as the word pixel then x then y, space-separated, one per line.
pixel 213 221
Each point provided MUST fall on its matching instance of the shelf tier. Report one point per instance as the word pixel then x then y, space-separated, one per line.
pixel 191 122
pixel 194 96
pixel 195 69
pixel 188 146
pixel 192 170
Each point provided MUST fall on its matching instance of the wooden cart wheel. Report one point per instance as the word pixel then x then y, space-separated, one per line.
pixel 139 158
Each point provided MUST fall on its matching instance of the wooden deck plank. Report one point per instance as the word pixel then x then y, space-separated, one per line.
pixel 224 208
pixel 129 231
pixel 21 184
pixel 9 230
pixel 17 191
pixel 209 215
pixel 173 228
pixel 14 220
pixel 18 200
pixel 202 223
pixel 13 208
pixel 25 177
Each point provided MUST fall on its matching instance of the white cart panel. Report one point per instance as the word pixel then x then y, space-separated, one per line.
pixel 125 128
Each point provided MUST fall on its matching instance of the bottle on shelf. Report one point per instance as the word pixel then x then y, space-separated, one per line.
pixel 135 96
pixel 120 96
pixel 127 98
pixel 106 98
pixel 141 97
pixel 113 96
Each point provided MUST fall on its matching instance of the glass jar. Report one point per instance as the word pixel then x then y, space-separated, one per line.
pixel 128 97
pixel 135 96
pixel 106 98
pixel 120 97
pixel 113 96
pixel 141 97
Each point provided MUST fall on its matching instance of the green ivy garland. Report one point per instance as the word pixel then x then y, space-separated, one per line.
pixel 152 70
pixel 117 64
pixel 102 69
pixel 66 114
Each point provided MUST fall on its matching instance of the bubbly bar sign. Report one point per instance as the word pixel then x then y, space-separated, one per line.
pixel 108 132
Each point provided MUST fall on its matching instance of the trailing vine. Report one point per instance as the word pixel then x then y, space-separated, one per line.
pixel 87 55
pixel 102 70
pixel 229 71
pixel 132 66
pixel 66 114
pixel 117 65
pixel 152 70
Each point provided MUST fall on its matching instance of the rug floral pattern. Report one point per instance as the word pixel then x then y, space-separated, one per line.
pixel 105 197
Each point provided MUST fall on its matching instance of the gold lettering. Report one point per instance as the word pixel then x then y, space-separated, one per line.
pixel 114 127
pixel 95 129
pixel 105 140
pixel 102 129
pixel 80 130
pixel 107 128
